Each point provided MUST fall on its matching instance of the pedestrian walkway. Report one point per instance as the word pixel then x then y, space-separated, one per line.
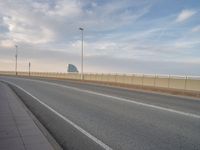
pixel 17 129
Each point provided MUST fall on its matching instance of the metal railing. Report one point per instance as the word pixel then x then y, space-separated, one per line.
pixel 190 83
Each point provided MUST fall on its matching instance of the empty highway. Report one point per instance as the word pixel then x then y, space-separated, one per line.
pixel 101 117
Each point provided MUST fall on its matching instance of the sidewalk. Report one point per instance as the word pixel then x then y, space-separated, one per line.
pixel 17 129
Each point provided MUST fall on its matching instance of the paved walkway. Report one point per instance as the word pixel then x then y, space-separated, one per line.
pixel 17 129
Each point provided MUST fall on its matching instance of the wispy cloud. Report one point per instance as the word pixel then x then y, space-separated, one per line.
pixel 40 22
pixel 185 15
pixel 196 29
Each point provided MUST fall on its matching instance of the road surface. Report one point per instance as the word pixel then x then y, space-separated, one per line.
pixel 118 118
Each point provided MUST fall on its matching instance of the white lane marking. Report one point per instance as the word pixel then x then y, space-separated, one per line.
pixel 120 99
pixel 103 145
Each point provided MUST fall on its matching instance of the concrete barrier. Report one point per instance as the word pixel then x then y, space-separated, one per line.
pixel 149 80
pixel 162 82
pixel 192 84
pixel 138 80
pixel 185 83
pixel 177 82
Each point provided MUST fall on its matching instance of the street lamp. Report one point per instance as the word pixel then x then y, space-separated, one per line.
pixel 29 69
pixel 81 29
pixel 16 53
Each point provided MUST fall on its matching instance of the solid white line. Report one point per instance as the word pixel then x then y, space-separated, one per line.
pixel 121 99
pixel 103 145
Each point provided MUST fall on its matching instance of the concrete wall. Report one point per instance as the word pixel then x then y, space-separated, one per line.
pixel 159 81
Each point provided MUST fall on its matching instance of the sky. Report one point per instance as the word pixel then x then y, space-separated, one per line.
pixel 120 36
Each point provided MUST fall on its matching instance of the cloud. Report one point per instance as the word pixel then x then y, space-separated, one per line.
pixel 6 43
pixel 196 29
pixel 115 31
pixel 23 24
pixel 46 21
pixel 65 8
pixel 185 15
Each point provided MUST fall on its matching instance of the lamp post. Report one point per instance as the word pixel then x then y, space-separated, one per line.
pixel 81 29
pixel 16 55
pixel 29 69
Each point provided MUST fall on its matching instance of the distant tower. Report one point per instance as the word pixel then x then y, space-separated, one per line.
pixel 72 68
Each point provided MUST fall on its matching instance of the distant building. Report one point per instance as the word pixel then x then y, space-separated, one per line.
pixel 72 68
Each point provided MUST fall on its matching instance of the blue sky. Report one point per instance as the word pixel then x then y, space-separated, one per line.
pixel 120 36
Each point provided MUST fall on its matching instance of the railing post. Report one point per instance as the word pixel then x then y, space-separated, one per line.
pixel 154 81
pixel 115 75
pixel 90 78
pixel 124 78
pixel 185 85
pixel 142 80
pixel 133 76
pixel 169 81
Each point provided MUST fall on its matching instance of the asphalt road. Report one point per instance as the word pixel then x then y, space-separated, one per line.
pixel 119 118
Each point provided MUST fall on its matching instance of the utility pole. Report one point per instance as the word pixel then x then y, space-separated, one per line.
pixel 81 29
pixel 29 69
pixel 16 55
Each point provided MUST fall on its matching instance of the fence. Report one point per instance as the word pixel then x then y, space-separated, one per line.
pixel 185 83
